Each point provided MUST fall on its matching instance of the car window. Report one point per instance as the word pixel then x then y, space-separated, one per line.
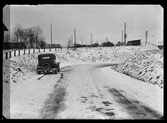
pixel 45 58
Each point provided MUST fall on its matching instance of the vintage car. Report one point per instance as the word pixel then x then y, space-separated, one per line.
pixel 47 63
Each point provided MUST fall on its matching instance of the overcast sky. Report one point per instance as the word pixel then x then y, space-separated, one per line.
pixel 101 20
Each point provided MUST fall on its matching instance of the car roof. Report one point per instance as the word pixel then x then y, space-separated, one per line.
pixel 47 54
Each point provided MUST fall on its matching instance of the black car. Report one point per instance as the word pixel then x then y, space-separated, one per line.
pixel 47 63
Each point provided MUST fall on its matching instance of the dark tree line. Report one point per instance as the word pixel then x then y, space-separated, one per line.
pixel 104 44
pixel 31 37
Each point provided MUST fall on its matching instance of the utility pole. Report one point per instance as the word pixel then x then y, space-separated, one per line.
pixel 106 39
pixel 91 39
pixel 51 33
pixel 122 37
pixel 125 35
pixel 146 35
pixel 71 40
pixel 75 36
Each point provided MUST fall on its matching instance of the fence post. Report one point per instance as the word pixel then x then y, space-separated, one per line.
pixel 39 50
pixel 19 52
pixel 50 49
pixel 44 49
pixel 24 51
pixel 6 55
pixel 14 52
pixel 33 50
pixel 29 50
pixel 10 54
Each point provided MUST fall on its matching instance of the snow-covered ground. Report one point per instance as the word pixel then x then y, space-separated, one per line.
pixel 141 62
pixel 146 66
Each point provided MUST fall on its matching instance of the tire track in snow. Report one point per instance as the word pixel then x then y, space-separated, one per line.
pixel 135 108
pixel 55 102
pixel 86 97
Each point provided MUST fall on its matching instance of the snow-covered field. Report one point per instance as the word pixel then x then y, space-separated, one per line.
pixel 142 62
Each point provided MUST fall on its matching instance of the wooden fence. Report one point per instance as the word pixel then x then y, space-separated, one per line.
pixel 12 53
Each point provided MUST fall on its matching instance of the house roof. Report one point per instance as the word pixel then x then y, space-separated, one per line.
pixel 4 27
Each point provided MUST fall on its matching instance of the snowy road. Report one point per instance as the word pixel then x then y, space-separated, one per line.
pixel 87 91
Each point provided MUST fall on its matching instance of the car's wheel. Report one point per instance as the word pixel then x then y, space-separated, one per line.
pixel 55 71
pixel 39 72
pixel 46 67
pixel 58 68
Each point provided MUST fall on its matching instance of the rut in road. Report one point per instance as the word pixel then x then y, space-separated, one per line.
pixel 86 97
pixel 54 103
pixel 134 107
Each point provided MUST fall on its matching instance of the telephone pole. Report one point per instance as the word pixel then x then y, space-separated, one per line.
pixel 75 36
pixel 122 37
pixel 146 35
pixel 71 40
pixel 106 39
pixel 125 35
pixel 51 33
pixel 91 39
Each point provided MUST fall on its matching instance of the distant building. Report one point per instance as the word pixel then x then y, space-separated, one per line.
pixel 133 42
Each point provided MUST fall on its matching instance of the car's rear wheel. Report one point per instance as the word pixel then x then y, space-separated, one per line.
pixel 46 67
pixel 55 71
pixel 39 72
pixel 59 68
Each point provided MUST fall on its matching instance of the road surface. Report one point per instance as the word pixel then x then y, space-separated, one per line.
pixel 86 91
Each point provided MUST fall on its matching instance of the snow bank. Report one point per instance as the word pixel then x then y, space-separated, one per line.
pixel 22 67
pixel 19 68
pixel 146 65
pixel 92 55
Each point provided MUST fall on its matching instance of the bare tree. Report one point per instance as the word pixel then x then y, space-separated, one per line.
pixel 42 42
pixel 30 34
pixel 18 33
pixel 38 34
pixel 32 37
